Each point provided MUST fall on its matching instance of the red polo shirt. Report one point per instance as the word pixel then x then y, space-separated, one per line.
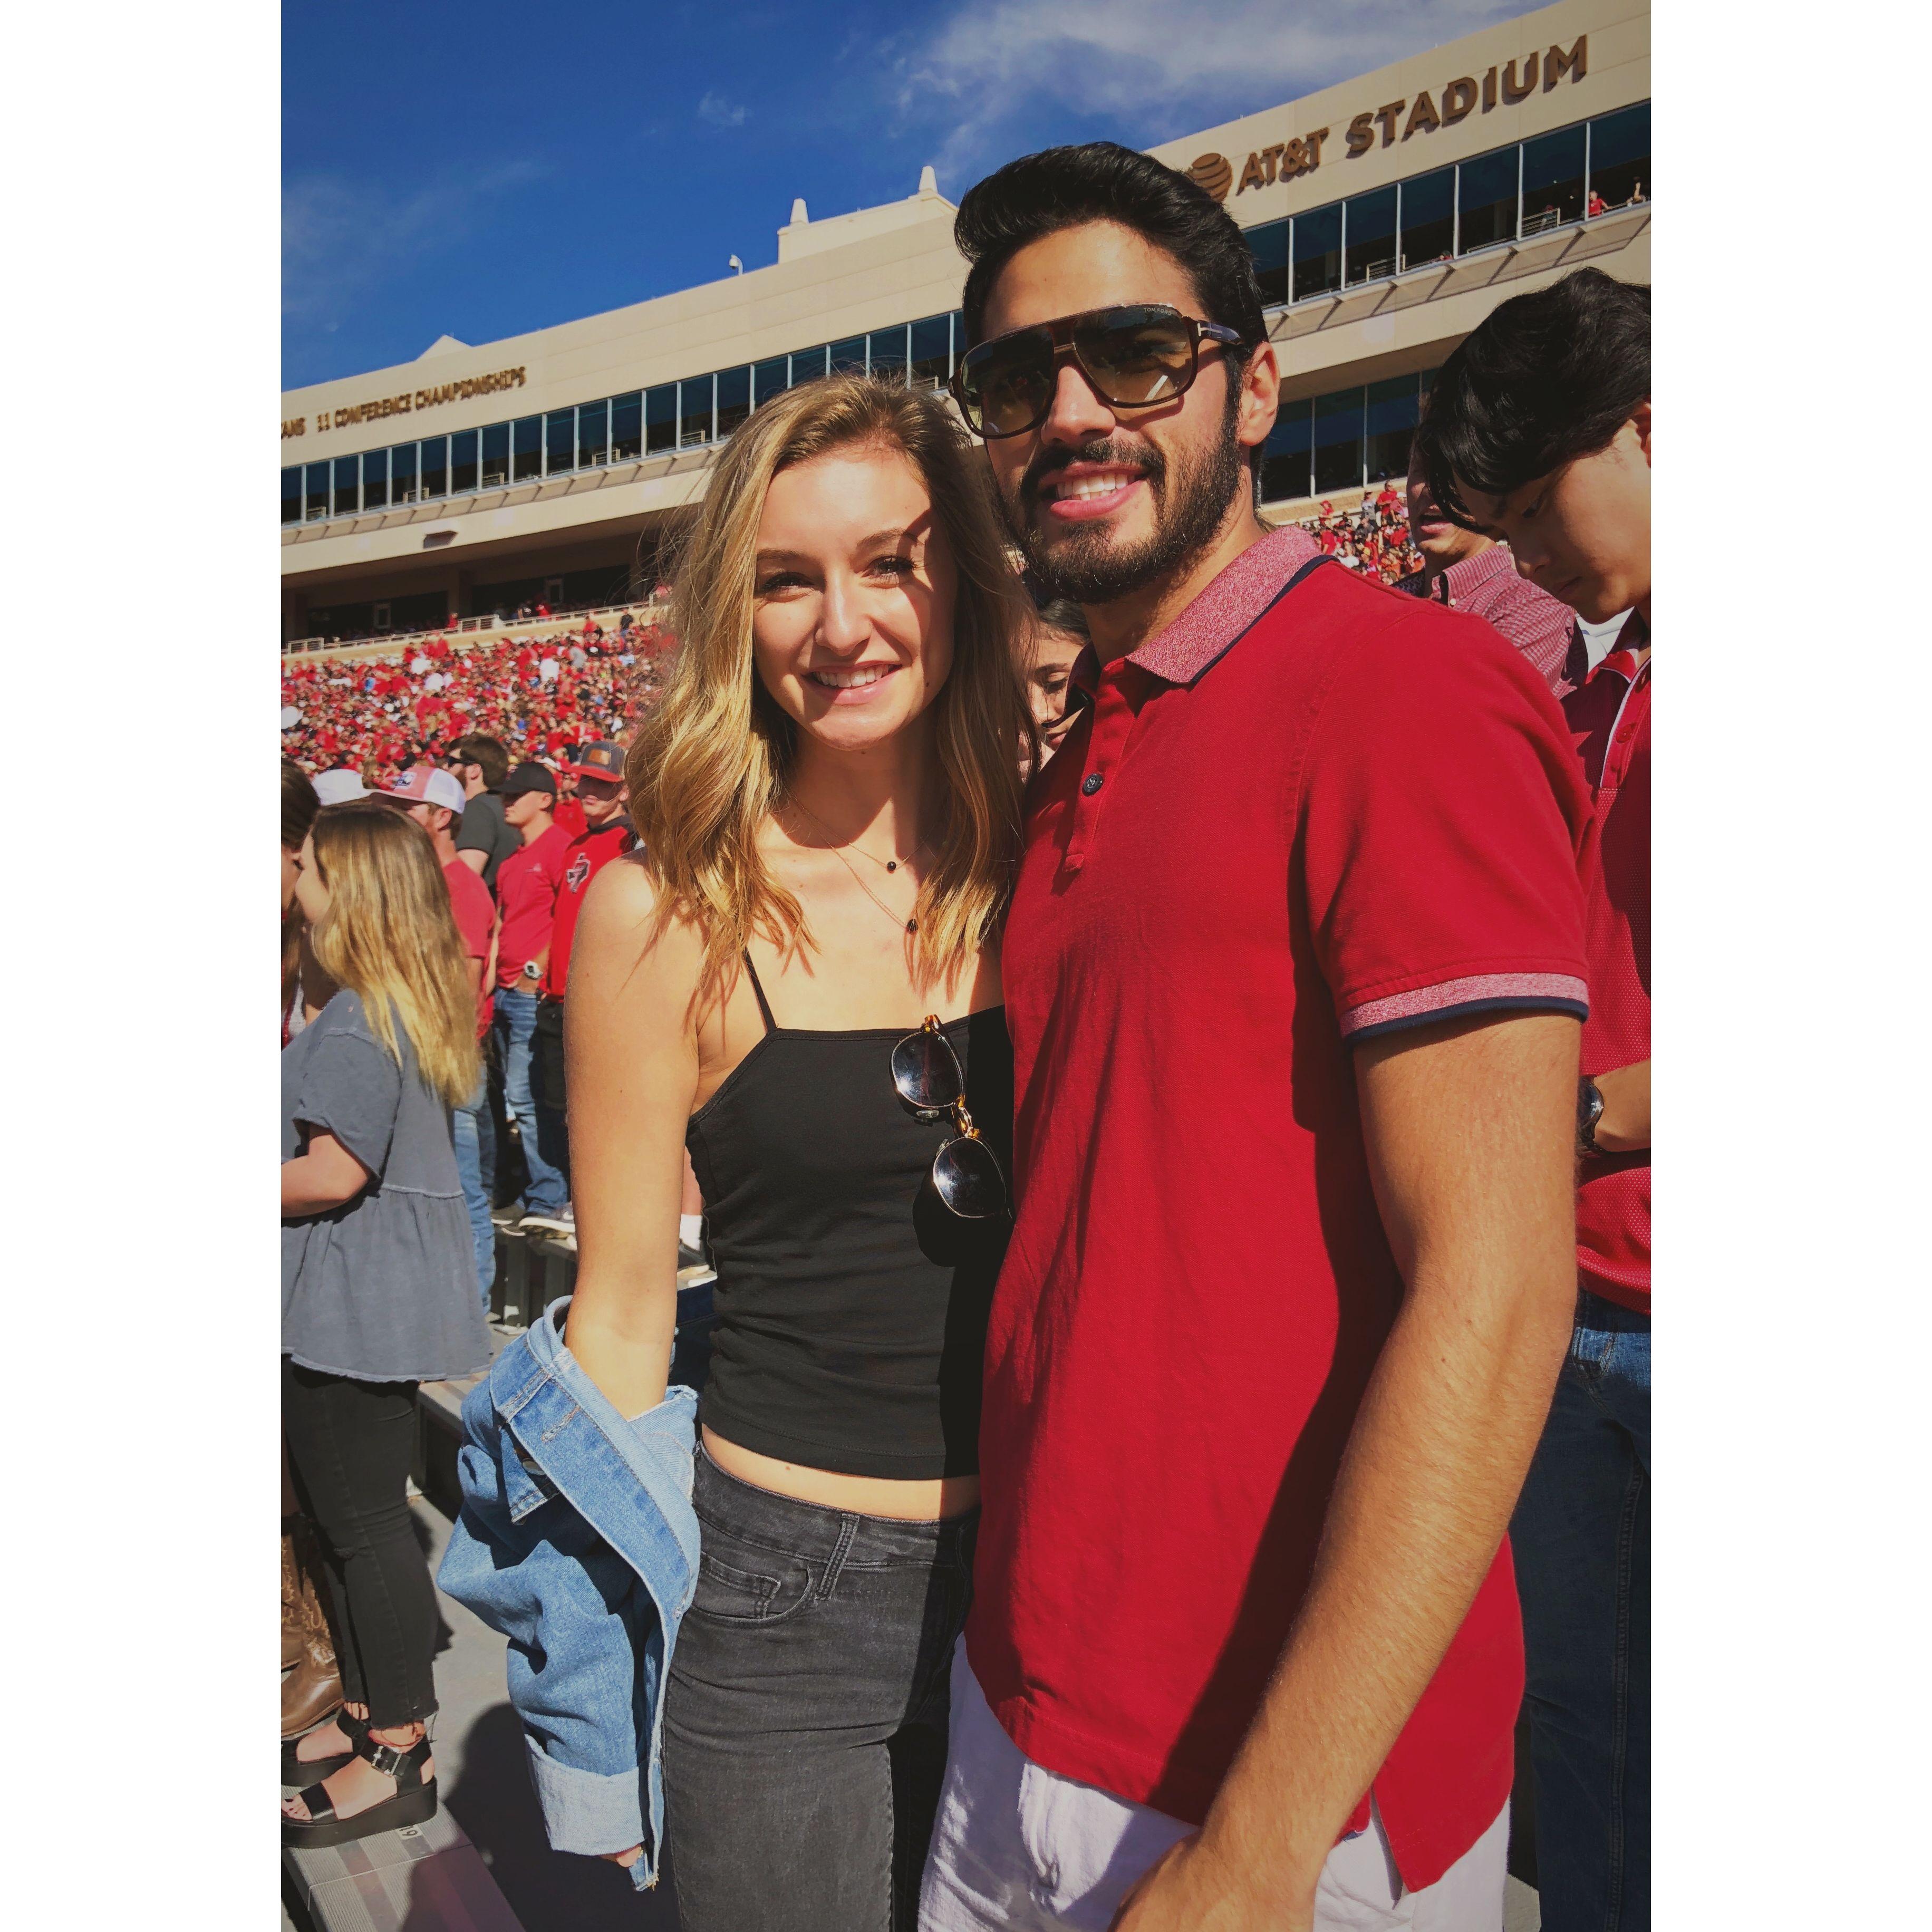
pixel 1284 824
pixel 1609 720
pixel 1487 586
pixel 527 884
pixel 588 854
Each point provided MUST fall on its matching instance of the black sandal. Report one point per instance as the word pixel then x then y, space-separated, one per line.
pixel 305 1771
pixel 414 1802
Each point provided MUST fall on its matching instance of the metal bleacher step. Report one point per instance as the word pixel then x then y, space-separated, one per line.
pixel 427 1878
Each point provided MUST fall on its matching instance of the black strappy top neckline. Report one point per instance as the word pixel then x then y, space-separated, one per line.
pixel 850 1033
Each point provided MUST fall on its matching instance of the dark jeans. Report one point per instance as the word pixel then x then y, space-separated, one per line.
pixel 1581 1537
pixel 547 1086
pixel 350 1444
pixel 805 1728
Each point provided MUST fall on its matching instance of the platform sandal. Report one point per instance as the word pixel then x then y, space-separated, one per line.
pixel 414 1802
pixel 305 1771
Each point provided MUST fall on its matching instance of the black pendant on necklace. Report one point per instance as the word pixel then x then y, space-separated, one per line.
pixel 912 926
pixel 892 865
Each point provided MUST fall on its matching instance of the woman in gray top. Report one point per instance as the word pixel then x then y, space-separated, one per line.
pixel 378 1291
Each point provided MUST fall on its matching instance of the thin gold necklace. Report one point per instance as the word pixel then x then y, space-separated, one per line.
pixel 910 925
pixel 890 865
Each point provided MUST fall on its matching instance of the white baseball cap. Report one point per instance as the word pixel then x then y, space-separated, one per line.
pixel 339 786
pixel 428 784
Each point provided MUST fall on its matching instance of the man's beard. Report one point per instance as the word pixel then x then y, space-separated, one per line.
pixel 1084 562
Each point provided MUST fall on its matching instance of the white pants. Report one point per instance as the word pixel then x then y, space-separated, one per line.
pixel 1017 1848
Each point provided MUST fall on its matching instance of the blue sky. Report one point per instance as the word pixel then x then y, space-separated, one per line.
pixel 483 169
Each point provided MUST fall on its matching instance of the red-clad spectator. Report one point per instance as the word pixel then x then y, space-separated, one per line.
pixel 527 884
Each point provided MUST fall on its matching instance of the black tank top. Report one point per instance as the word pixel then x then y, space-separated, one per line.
pixel 851 1302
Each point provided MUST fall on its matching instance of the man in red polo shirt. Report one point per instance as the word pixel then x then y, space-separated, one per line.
pixel 1567 481
pixel 1296 929
pixel 1470 571
pixel 601 796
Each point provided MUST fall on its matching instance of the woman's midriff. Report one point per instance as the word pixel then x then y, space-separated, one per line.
pixel 931 1501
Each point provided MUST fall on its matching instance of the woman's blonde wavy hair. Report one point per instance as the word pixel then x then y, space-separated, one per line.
pixel 711 760
pixel 390 936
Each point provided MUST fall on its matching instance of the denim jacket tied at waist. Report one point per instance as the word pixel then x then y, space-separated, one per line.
pixel 577 1541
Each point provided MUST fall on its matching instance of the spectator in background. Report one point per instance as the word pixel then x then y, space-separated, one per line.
pixel 1598 204
pixel 1059 638
pixel 526 888
pixel 434 800
pixel 1539 428
pixel 1469 571
pixel 485 839
pixel 378 1295
pixel 299 807
pixel 602 795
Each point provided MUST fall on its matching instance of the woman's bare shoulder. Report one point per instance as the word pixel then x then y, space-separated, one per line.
pixel 621 924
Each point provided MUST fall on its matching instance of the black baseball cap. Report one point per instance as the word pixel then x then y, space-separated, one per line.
pixel 528 776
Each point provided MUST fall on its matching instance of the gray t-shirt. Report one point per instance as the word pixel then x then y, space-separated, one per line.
pixel 484 829
pixel 384 1288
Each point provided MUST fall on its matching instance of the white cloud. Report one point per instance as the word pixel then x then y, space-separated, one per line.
pixel 1154 69
pixel 720 112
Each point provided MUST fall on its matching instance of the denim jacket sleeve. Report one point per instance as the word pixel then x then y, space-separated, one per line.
pixel 587 1649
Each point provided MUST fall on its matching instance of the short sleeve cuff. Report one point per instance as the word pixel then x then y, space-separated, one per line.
pixel 587 1812
pixel 1463 999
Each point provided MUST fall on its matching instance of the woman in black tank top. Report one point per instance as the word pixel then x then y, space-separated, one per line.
pixel 798 977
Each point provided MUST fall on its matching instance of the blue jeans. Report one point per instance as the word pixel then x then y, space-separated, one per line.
pixel 1582 1541
pixel 516 1024
pixel 474 1133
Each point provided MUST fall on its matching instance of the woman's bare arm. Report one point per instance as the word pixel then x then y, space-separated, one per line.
pixel 324 1175
pixel 630 1049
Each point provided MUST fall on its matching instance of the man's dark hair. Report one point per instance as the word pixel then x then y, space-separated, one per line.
pixel 1548 377
pixel 1039 194
pixel 488 753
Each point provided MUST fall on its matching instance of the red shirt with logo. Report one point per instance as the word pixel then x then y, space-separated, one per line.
pixel 588 855
pixel 476 913
pixel 527 883
pixel 1610 721
pixel 1295 819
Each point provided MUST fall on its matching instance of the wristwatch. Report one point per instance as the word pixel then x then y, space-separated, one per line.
pixel 533 969
pixel 1589 1112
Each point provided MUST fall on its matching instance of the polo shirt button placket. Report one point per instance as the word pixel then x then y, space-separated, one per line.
pixel 1092 782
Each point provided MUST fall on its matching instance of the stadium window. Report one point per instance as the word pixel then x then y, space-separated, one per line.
pixel 1338 441
pixel 1317 251
pixel 291 495
pixel 1620 156
pixel 660 418
pixel 593 434
pixel 931 358
pixel 463 472
pixel 885 353
pixel 375 479
pixel 808 365
pixel 848 357
pixel 560 442
pixel 1485 198
pixel 347 497
pixel 694 411
pixel 315 500
pixel 435 467
pixel 1268 244
pixel 496 455
pixel 1391 424
pixel 627 426
pixel 1371 237
pixel 734 398
pixel 403 473
pixel 1552 180
pixel 525 448
pixel 1428 219
pixel 1285 471
pixel 768 379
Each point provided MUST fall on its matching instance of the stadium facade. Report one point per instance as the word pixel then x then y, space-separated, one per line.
pixel 1388 215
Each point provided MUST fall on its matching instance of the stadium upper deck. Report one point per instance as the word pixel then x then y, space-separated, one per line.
pixel 1388 214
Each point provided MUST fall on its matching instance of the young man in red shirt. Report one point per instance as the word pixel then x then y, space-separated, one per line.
pixel 434 799
pixel 1566 481
pixel 1296 928
pixel 527 885
pixel 607 833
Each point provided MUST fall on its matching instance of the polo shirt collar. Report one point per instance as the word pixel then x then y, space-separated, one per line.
pixel 1470 573
pixel 1180 652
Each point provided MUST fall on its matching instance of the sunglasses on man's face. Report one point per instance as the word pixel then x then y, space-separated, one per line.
pixel 965 1170
pixel 1133 357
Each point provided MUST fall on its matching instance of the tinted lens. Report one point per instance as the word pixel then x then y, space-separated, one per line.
pixel 925 1071
pixel 1136 356
pixel 969 1179
pixel 1006 385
